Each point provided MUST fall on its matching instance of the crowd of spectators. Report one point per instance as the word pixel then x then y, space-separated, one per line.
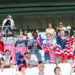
pixel 35 49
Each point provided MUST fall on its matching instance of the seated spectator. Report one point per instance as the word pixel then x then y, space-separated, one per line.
pixel 21 69
pixel 31 60
pixel 6 61
pixel 60 27
pixel 41 69
pixel 50 29
pixel 57 71
pixel 21 60
pixel 25 35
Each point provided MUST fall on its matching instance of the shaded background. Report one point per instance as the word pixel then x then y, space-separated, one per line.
pixel 36 14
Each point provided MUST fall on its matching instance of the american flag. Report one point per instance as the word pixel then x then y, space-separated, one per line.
pixel 64 47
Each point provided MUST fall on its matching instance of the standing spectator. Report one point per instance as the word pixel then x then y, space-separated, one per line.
pixel 9 43
pixel 8 18
pixel 50 29
pixel 35 46
pixel 20 46
pixel 60 47
pixel 6 61
pixel 57 71
pixel 31 59
pixel 49 48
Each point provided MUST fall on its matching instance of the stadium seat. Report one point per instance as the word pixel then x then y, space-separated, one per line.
pixel 73 74
pixel 65 68
pixel 49 68
pixel 34 71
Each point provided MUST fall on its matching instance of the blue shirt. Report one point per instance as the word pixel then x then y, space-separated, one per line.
pixel 21 62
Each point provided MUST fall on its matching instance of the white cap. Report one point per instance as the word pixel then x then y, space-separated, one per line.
pixel 64 28
pixel 68 27
pixel 9 16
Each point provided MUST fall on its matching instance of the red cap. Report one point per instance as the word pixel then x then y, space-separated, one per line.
pixel 19 66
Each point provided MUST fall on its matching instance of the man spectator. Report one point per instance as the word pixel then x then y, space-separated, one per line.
pixel 41 69
pixel 31 59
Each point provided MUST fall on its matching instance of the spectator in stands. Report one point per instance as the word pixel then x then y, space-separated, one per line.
pixel 35 46
pixel 21 60
pixel 61 42
pixel 73 36
pixel 6 61
pixel 21 46
pixel 50 29
pixel 1 46
pixel 8 22
pixel 69 30
pixel 60 27
pixel 57 71
pixel 9 43
pixel 49 46
pixel 25 35
pixel 21 69
pixel 31 60
pixel 41 69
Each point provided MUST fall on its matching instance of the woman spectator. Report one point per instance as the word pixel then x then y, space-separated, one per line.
pixel 50 30
pixel 25 35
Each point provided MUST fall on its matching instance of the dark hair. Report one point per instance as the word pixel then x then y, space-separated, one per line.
pixel 21 56
pixel 7 51
pixel 24 65
pixel 21 67
pixel 56 68
pixel 27 53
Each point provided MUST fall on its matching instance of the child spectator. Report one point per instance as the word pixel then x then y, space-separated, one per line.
pixel 49 48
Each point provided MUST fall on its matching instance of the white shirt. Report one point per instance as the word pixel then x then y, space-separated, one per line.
pixel 5 20
pixel 32 60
